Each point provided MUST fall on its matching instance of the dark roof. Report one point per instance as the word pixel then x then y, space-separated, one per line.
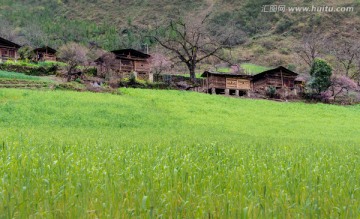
pixel 132 52
pixel 8 43
pixel 280 68
pixel 206 73
pixel 45 49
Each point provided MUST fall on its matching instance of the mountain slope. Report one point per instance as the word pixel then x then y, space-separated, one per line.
pixel 263 38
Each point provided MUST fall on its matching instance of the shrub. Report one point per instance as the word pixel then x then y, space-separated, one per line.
pixel 320 73
pixel 271 91
pixel 283 25
pixel 291 67
pixel 91 71
pixel 26 53
pixel 132 78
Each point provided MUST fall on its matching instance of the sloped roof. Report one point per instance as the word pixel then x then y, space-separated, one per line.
pixel 280 68
pixel 7 43
pixel 45 49
pixel 206 73
pixel 132 52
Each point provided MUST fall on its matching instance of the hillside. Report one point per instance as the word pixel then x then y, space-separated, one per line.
pixel 77 155
pixel 261 38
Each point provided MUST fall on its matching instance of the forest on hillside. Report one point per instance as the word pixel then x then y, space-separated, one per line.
pixel 267 39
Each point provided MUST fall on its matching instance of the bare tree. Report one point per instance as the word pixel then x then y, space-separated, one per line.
pixel 74 55
pixel 347 53
pixel 190 42
pixel 310 48
pixel 108 61
pixel 159 64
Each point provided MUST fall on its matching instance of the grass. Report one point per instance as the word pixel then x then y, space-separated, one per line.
pixel 168 154
pixel 33 64
pixel 20 76
pixel 224 70
pixel 197 75
pixel 253 69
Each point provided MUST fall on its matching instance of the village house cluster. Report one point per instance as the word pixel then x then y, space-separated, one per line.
pixel 9 50
pixel 127 61
pixel 238 84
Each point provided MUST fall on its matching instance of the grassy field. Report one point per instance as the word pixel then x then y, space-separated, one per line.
pixel 253 69
pixel 16 75
pixel 172 154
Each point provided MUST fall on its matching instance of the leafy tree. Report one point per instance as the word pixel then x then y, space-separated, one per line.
pixel 26 53
pixel 321 73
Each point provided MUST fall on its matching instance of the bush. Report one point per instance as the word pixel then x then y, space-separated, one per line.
pixel 271 92
pixel 26 53
pixel 132 78
pixel 283 25
pixel 30 68
pixel 291 67
pixel 320 73
pixel 91 72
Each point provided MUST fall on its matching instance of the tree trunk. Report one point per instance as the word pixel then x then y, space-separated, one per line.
pixel 192 68
pixel 192 75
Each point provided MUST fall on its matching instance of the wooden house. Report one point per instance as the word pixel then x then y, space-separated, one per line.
pixel 279 77
pixel 241 84
pixel 8 49
pixel 226 83
pixel 45 54
pixel 127 61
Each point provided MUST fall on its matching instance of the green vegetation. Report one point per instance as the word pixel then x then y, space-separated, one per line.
pixel 224 70
pixel 321 73
pixel 169 154
pixel 253 69
pixel 21 76
pixel 198 75
pixel 33 64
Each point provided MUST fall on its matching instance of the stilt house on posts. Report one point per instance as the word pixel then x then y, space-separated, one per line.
pixel 243 84
pixel 125 62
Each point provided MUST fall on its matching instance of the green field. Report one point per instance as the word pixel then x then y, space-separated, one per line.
pixel 253 69
pixel 15 75
pixel 173 154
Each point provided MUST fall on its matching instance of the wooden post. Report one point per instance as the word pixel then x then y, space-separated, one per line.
pixel 213 90
pixel 282 79
pixel 237 93
pixel 207 79
pixel 227 91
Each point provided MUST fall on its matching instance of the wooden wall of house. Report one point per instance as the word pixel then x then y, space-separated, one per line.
pixel 238 83
pixel 277 80
pixel 142 66
pixel 125 65
pixel 217 81
pixel 46 57
pixel 123 68
pixel 8 52
pixel 224 82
